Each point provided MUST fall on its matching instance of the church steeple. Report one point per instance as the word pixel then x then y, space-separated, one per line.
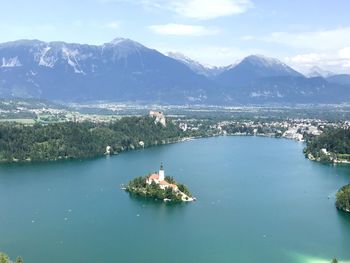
pixel 161 173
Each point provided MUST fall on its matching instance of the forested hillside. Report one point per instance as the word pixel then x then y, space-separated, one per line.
pixel 332 145
pixel 81 140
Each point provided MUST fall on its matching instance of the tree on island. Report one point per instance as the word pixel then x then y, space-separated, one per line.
pixel 343 198
pixel 138 186
pixel 170 179
pixel 334 260
pixel 6 259
pixel 183 188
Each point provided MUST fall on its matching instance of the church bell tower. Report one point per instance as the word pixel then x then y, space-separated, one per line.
pixel 161 173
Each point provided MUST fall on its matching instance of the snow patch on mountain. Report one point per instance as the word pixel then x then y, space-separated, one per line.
pixel 122 48
pixel 124 41
pixel 195 66
pixel 70 56
pixel 125 70
pixel 10 62
pixel 266 94
pixel 46 60
pixel 264 66
pixel 267 62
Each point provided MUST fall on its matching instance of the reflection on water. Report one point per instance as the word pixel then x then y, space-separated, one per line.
pixel 158 207
pixel 300 258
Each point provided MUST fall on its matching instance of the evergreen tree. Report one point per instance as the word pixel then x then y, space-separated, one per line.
pixel 81 140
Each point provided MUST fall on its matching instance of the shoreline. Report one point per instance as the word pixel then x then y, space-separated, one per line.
pixel 179 140
pixel 70 158
pixel 310 157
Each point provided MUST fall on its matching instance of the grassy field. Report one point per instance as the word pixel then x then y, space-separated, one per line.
pixel 22 121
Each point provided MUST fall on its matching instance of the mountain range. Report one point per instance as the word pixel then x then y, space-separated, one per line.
pixel 126 71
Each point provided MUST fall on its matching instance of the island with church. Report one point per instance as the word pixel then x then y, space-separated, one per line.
pixel 158 186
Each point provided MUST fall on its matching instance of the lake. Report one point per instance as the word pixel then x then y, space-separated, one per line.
pixel 258 200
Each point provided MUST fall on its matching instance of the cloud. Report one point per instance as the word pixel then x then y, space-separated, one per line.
pixel 327 48
pixel 209 9
pixel 112 25
pixel 195 9
pixel 248 38
pixel 315 40
pixel 183 30
pixel 309 58
pixel 344 53
pixel 337 61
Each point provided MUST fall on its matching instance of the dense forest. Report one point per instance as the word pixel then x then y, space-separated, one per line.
pixel 332 145
pixel 343 198
pixel 72 140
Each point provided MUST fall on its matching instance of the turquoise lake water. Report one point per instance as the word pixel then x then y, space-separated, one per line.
pixel 258 200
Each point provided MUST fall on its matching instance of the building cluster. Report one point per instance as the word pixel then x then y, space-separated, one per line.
pixel 295 129
pixel 159 117
pixel 159 178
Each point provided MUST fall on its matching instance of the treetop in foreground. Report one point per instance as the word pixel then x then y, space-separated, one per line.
pixel 6 259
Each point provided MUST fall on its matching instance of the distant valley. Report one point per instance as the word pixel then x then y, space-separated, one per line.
pixel 126 71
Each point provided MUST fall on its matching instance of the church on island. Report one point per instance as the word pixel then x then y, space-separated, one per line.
pixel 159 179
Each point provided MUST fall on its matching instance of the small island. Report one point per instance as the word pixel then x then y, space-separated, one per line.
pixel 161 187
pixel 343 199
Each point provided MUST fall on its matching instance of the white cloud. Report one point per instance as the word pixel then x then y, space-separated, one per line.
pixel 209 9
pixel 248 38
pixel 112 25
pixel 328 49
pixel 344 53
pixel 337 61
pixel 310 58
pixel 183 30
pixel 316 40
pixel 196 9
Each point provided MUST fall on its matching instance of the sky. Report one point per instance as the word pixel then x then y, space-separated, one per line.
pixel 301 33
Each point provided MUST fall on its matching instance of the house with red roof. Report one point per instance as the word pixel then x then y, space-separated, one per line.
pixel 159 178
